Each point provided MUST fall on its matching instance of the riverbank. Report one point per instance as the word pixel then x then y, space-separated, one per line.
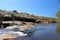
pixel 6 36
pixel 25 17
pixel 10 18
pixel 22 25
pixel 43 32
pixel 21 20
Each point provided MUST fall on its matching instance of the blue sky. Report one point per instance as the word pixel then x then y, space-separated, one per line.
pixel 35 7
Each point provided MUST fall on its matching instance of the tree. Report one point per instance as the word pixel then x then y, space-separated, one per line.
pixel 58 21
pixel 58 16
pixel 15 11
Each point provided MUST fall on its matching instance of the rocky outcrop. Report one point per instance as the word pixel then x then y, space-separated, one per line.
pixel 20 16
pixel 25 19
pixel 15 18
pixel 9 18
pixel 41 21
pixel 6 36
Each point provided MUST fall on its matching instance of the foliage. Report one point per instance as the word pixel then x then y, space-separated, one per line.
pixel 25 14
pixel 58 21
pixel 15 11
pixel 58 16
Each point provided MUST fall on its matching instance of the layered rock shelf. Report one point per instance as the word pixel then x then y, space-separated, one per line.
pixel 8 18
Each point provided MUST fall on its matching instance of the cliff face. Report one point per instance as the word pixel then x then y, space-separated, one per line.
pixel 16 16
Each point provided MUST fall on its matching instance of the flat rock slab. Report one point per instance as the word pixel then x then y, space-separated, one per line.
pixel 6 36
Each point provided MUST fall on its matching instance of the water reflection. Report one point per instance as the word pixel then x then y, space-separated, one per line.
pixel 58 28
pixel 48 32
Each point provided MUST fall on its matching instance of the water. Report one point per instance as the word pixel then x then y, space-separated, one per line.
pixel 43 32
pixel 46 32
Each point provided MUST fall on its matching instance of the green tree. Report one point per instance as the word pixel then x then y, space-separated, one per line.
pixel 15 11
pixel 58 21
pixel 58 16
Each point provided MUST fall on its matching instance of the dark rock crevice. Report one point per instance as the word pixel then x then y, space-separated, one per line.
pixel 18 19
